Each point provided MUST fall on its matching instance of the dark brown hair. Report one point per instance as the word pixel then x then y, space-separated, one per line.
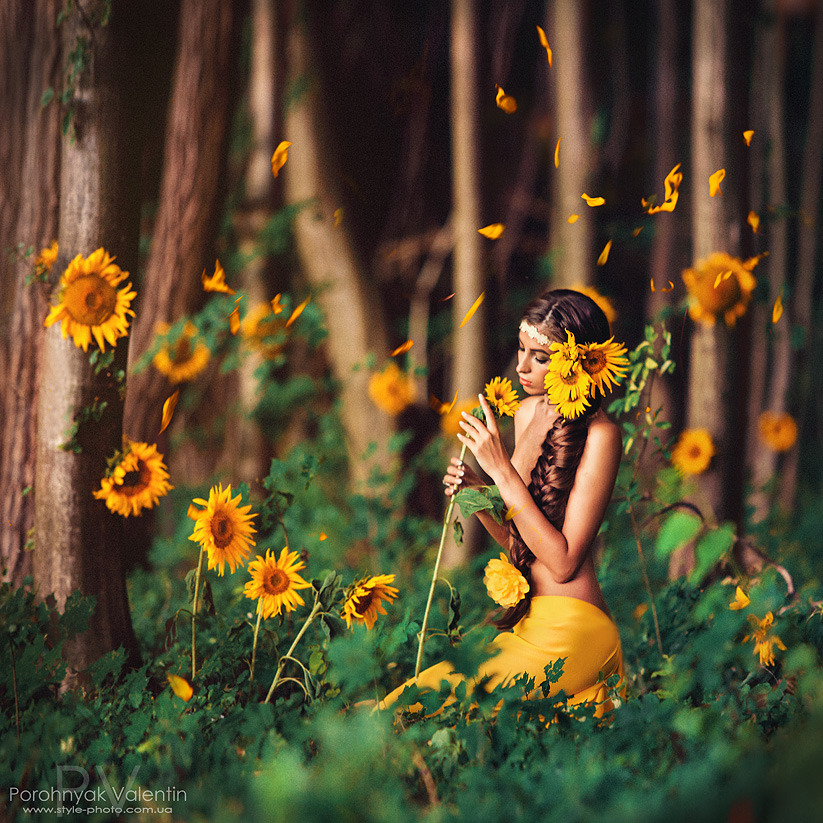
pixel 553 313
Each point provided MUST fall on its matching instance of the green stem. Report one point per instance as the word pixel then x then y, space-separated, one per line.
pixel 194 612
pixel 646 578
pixel 277 679
pixel 254 644
pixel 435 573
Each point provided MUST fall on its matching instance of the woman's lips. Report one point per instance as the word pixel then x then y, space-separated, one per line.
pixel 524 383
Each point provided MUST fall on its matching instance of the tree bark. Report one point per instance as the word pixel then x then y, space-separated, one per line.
pixel 30 156
pixel 78 543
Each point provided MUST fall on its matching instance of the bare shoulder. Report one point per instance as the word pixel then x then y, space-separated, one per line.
pixel 604 443
pixel 527 407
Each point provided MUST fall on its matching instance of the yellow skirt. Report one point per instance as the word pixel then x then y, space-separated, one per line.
pixel 555 626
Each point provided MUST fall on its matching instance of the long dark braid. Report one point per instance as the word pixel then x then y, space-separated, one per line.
pixel 554 472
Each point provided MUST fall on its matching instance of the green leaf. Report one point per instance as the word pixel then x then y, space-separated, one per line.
pixel 711 548
pixel 486 498
pixel 333 626
pixel 454 609
pixel 46 97
pixel 678 529
pixel 458 532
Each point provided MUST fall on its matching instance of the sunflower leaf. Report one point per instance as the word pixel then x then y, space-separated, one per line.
pixel 333 626
pixel 485 498
pixel 458 532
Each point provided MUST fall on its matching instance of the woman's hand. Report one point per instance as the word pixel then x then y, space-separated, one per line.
pixel 483 441
pixel 460 476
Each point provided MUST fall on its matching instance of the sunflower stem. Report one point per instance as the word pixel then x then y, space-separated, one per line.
pixel 277 679
pixel 446 520
pixel 194 612
pixel 254 644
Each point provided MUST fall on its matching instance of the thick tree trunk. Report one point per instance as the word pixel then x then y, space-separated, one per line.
pixel 78 543
pixel 572 242
pixel 30 156
pixel 355 323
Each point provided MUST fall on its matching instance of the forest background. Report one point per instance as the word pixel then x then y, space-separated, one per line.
pixel 149 129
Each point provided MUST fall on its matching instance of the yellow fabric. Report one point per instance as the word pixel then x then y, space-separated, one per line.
pixel 554 626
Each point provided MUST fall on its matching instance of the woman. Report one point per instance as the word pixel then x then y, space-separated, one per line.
pixel 558 483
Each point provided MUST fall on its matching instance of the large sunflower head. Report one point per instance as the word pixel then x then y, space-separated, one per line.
pixel 365 598
pixel 392 390
pixel 450 421
pixel 606 363
pixel 184 358
pixel 565 356
pixel 137 481
pixel 275 581
pixel 263 330
pixel 223 529
pixel 505 584
pixel 693 451
pixel 720 286
pixel 90 304
pixel 777 430
pixel 502 397
pixel 569 392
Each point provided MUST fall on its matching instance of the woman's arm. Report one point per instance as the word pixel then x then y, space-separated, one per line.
pixel 561 552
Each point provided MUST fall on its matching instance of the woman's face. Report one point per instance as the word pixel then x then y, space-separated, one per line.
pixel 532 364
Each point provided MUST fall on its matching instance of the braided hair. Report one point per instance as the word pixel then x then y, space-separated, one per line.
pixel 552 477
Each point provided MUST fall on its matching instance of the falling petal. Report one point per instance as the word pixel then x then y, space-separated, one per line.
pixel 338 217
pixel 275 304
pixel 754 221
pixel 278 159
pixel 217 281
pixel 545 43
pixel 493 231
pixel 714 182
pixel 473 309
pixel 505 101
pixel 777 311
pixel 557 153
pixel 724 275
pixel 322 536
pixel 180 686
pixel 573 218
pixel 664 289
pixel 447 297
pixel 604 255
pixel 234 320
pixel 637 231
pixel 593 201
pixel 747 136
pixel 402 348
pixel 751 262
pixel 511 512
pixel 298 311
pixel 671 184
pixel 439 406
pixel 168 411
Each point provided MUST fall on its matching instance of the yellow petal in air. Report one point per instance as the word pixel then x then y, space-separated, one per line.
pixel 439 406
pixel 234 320
pixel 180 686
pixel 276 307
pixel 664 289
pixel 505 101
pixel 754 221
pixel 747 136
pixel 278 159
pixel 604 255
pixel 672 183
pixel 402 348
pixel 493 231
pixel 545 43
pixel 573 218
pixel 217 281
pixel 322 536
pixel 511 512
pixel 298 311
pixel 593 201
pixel 714 182
pixel 473 309
pixel 777 311
pixel 168 410
pixel 637 231
pixel 557 153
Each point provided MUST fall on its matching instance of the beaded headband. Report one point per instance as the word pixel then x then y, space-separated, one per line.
pixel 533 333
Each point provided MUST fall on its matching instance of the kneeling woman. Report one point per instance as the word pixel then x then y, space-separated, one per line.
pixel 558 482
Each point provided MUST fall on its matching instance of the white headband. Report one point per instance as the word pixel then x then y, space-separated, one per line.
pixel 533 333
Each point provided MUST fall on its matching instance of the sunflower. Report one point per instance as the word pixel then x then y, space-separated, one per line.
pixel 605 363
pixel 274 582
pixel 46 259
pixel 764 643
pixel 139 479
pixel 741 600
pixel 364 599
pixel 392 390
pixel 777 430
pixel 720 285
pixel 505 584
pixel 502 397
pixel 450 421
pixel 223 529
pixel 90 302
pixel 693 451
pixel 261 328
pixel 602 301
pixel 180 361
pixel 566 356
pixel 569 393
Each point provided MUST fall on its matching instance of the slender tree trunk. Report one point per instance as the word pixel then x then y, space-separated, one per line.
pixel 571 243
pixel 30 156
pixel 78 543
pixel 355 323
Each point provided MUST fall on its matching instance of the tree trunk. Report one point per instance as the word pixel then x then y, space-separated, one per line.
pixel 355 323
pixel 30 156
pixel 571 243
pixel 78 543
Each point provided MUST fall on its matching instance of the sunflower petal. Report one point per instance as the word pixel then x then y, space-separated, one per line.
pixel 402 348
pixel 473 309
pixel 573 218
pixel 557 153
pixel 593 201
pixel 441 407
pixel 714 182
pixel 298 311
pixel 754 221
pixel 180 686
pixel 504 101
pixel 168 410
pixel 604 255
pixel 545 43
pixel 777 310
pixel 747 136
pixel 278 159
pixel 492 231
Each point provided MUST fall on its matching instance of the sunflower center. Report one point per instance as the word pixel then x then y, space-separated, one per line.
pixel 222 530
pixel 695 451
pixel 722 296
pixel 275 581
pixel 136 480
pixel 182 350
pixel 594 362
pixel 362 604
pixel 90 300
